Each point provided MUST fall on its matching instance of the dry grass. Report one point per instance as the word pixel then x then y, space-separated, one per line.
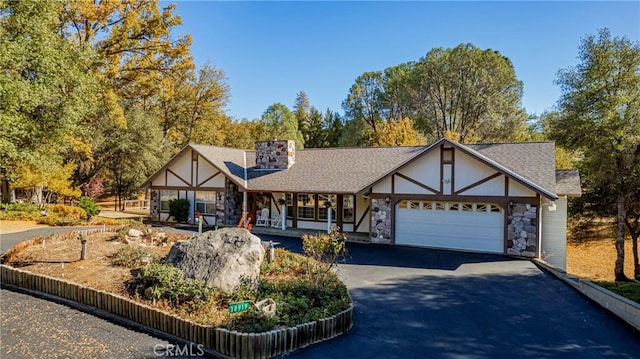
pixel 591 252
pixel 18 226
pixel 61 258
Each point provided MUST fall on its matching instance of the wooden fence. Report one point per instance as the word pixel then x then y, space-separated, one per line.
pixel 229 343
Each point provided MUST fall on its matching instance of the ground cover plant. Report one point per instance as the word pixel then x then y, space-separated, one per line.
pixel 133 267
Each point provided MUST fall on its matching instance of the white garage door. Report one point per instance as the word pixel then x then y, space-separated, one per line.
pixel 467 226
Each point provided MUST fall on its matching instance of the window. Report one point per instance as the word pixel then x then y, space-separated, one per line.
pixel 347 208
pixel 494 207
pixel 467 207
pixel 323 200
pixel 206 202
pixel 306 206
pixel 454 207
pixel 481 207
pixel 289 199
pixel 165 197
pixel 439 206
pixel 447 155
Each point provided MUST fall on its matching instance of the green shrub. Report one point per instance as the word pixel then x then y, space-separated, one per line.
pixel 168 282
pixel 63 215
pixel 132 257
pixel 325 249
pixel 179 209
pixel 19 212
pixel 89 206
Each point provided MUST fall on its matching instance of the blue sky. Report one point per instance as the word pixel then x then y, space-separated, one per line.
pixel 272 50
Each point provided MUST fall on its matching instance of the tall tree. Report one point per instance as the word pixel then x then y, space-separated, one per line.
pixel 46 89
pixel 314 133
pixel 396 133
pixel 279 122
pixel 600 115
pixel 364 102
pixel 333 127
pixel 465 90
pixel 302 111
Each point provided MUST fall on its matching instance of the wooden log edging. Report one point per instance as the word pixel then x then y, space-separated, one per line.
pixel 229 343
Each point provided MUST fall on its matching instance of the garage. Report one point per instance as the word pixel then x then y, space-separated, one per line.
pixel 451 225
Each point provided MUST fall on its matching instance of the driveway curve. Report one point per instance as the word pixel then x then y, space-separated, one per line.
pixel 427 303
pixel 409 303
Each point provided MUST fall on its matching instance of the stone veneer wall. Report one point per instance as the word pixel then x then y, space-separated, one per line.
pixel 522 230
pixel 233 202
pixel 220 215
pixel 380 221
pixel 155 204
pixel 275 154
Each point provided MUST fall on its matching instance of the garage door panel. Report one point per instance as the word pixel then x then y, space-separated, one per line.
pixel 466 230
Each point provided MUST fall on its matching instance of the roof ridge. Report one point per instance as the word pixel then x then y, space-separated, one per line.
pixel 506 143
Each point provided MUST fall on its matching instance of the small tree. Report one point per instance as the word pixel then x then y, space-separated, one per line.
pixel 89 206
pixel 179 209
pixel 326 249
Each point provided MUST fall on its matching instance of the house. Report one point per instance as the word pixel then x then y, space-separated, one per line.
pixel 502 198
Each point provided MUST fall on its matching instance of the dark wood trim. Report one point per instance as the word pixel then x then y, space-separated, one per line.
pixel 273 199
pixel 393 183
pixel 209 178
pixel 189 188
pixel 339 209
pixel 364 215
pixel 477 183
pixel 538 226
pixel 197 166
pixel 441 169
pixel 180 178
pixel 294 205
pixel 419 184
pixel 507 211
pixel 453 169
pixel 191 174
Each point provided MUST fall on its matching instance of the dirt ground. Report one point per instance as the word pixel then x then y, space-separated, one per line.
pixel 18 226
pixel 595 259
pixel 61 258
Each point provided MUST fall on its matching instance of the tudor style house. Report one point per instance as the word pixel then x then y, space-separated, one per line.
pixel 505 198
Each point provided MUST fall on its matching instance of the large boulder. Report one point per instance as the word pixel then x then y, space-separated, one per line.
pixel 223 258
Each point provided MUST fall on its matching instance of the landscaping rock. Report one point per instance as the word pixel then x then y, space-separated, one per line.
pixel 223 258
pixel 134 233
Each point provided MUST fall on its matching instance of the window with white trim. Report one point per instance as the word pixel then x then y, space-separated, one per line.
pixel 206 202
pixel 348 208
pixel 165 197
pixel 306 206
pixel 323 200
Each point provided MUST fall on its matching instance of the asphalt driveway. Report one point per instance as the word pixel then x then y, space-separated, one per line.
pixel 409 303
pixel 423 303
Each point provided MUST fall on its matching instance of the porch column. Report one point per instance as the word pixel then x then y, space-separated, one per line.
pixel 245 200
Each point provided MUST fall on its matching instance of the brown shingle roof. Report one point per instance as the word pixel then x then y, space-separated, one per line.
pixel 349 170
pixel 568 183
pixel 533 161
pixel 331 170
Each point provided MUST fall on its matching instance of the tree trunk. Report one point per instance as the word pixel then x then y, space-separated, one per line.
pixel 619 268
pixel 6 190
pixel 636 261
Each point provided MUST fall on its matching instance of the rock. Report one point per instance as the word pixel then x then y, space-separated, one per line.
pixel 134 233
pixel 161 235
pixel 224 259
pixel 148 293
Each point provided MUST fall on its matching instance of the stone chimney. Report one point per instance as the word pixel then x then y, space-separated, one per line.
pixel 275 155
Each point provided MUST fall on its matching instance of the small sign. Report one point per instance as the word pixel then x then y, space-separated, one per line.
pixel 239 307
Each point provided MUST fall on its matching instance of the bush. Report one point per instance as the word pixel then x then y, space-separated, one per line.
pixel 325 250
pixel 179 209
pixel 89 206
pixel 63 215
pixel 19 211
pixel 168 282
pixel 132 257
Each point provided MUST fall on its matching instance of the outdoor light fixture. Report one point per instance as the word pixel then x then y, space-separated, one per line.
pixel 387 200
